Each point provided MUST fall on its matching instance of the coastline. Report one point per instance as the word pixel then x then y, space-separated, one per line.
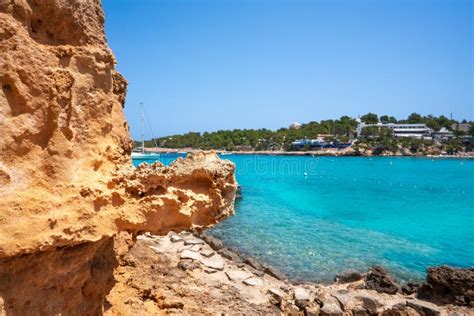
pixel 319 153
pixel 195 273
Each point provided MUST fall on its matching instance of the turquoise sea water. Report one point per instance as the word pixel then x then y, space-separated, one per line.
pixel 311 217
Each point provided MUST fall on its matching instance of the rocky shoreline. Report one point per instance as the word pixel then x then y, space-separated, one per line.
pixel 196 274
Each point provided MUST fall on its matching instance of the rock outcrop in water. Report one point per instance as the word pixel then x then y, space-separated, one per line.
pixel 447 285
pixel 380 280
pixel 67 186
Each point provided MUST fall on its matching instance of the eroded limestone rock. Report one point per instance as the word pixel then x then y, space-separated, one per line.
pixel 67 185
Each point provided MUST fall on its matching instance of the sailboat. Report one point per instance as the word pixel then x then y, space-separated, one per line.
pixel 142 155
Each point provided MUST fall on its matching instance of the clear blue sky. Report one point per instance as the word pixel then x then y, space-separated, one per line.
pixel 209 65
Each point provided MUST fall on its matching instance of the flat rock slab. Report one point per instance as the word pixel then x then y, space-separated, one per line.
pixel 424 308
pixel 231 255
pixel 238 275
pixel 193 241
pixel 253 281
pixel 188 247
pixel 347 301
pixel 301 294
pixel 213 242
pixel 274 273
pixel 370 303
pixel 195 248
pixel 214 262
pixel 207 253
pixel 331 308
pixel 189 254
pixel 276 294
pixel 253 263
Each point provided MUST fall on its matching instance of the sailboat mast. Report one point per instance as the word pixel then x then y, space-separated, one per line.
pixel 141 125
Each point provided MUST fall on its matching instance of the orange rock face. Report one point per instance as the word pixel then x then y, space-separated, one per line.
pixel 67 186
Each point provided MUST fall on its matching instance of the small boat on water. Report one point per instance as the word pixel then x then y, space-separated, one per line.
pixel 225 153
pixel 139 153
pixel 145 156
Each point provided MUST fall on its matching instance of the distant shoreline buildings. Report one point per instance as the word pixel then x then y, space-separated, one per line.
pixel 369 132
pixel 399 130
pixel 420 131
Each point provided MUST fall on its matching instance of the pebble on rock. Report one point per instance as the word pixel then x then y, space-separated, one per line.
pixel 176 238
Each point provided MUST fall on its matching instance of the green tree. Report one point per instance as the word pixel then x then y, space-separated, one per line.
pixel 415 118
pixel 433 124
pixel 385 119
pixel 370 118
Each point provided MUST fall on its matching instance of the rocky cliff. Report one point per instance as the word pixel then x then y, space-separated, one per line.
pixel 67 186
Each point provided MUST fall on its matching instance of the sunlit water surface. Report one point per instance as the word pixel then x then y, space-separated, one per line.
pixel 312 217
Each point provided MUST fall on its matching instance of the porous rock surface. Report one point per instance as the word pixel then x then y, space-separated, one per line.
pixel 67 185
pixel 445 284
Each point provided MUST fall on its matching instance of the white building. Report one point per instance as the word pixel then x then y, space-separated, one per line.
pixel 443 134
pixel 295 125
pixel 400 130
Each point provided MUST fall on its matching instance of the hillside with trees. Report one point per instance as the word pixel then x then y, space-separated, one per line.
pixel 339 130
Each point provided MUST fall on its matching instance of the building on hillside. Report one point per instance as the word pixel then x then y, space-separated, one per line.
pixel 325 136
pixel 400 130
pixel 295 125
pixel 442 134
pixel 318 143
pixel 463 127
